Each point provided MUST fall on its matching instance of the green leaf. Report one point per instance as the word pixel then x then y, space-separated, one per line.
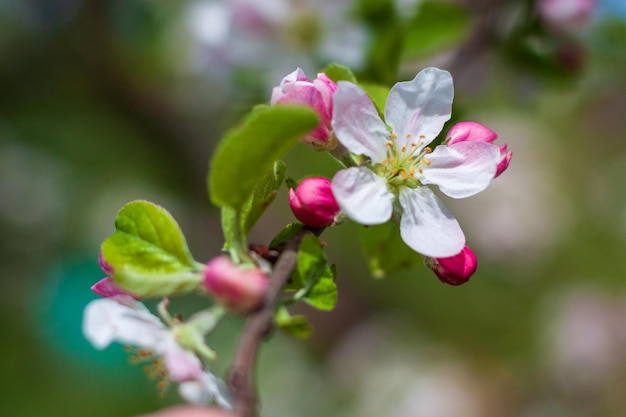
pixel 237 226
pixel 338 73
pixel 262 196
pixel 385 251
pixel 248 152
pixel 284 235
pixel 296 326
pixel 148 252
pixel 148 240
pixel 323 295
pixel 378 94
pixel 155 284
pixel 230 228
pixel 315 275
pixel 436 26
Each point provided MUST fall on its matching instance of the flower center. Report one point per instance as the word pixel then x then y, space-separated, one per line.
pixel 404 163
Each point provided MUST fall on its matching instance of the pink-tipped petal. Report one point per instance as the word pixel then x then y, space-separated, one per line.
pixel 463 169
pixel 357 124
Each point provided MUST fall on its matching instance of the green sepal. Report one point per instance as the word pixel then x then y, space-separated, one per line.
pixel 284 235
pixel 385 251
pixel 296 326
pixel 147 240
pixel 314 275
pixel 248 152
pixel 148 285
pixel 338 73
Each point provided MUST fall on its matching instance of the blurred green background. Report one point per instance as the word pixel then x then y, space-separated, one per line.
pixel 103 102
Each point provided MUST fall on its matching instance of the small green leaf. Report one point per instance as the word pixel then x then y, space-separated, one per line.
pixel 385 250
pixel 338 73
pixel 296 326
pixel 315 275
pixel 323 295
pixel 148 252
pixel 248 152
pixel 262 196
pixel 378 94
pixel 155 284
pixel 147 240
pixel 284 235
pixel 230 228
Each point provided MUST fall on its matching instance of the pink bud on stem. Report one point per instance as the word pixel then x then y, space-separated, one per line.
pixel 455 270
pixel 240 288
pixel 313 202
pixel 297 88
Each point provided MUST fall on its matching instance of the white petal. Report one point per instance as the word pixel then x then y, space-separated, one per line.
pixel 356 123
pixel 427 226
pixel 363 195
pixel 106 320
pixel 463 169
pixel 205 389
pixel 421 106
pixel 181 364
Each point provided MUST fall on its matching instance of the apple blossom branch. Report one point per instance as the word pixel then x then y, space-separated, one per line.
pixel 258 326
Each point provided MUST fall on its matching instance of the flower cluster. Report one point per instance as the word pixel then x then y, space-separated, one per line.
pixel 389 167
pixel 397 163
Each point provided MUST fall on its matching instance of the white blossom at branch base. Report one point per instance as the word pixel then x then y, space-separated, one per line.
pixel 125 320
pixel 401 164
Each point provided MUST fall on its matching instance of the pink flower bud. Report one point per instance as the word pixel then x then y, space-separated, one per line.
pixel 456 269
pixel 505 159
pixel 107 287
pixel 313 203
pixel 566 15
pixel 104 265
pixel 297 88
pixel 475 132
pixel 241 289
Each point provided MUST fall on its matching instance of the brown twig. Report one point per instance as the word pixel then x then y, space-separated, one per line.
pixel 258 326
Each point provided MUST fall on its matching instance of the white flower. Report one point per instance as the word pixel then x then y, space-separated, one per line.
pixel 128 321
pixel 400 163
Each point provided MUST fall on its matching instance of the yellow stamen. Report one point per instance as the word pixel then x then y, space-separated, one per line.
pixel 426 162
pixel 393 135
pixel 427 149
pixel 388 143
